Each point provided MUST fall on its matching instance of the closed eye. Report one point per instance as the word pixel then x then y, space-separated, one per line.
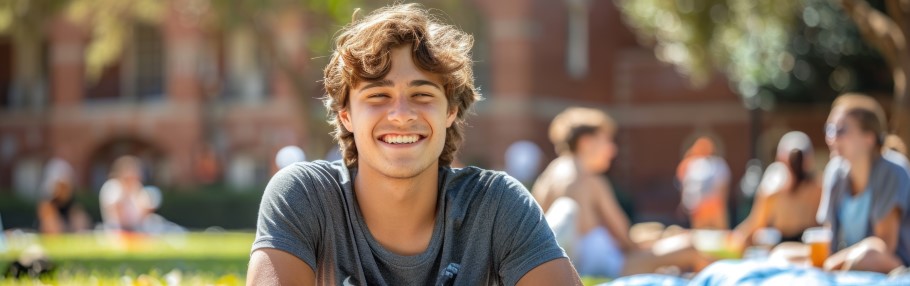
pixel 377 95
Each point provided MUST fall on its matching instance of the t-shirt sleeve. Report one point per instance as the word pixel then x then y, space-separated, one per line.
pixel 894 186
pixel 522 239
pixel 289 218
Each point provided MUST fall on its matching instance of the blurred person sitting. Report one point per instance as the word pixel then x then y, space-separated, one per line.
pixel 872 254
pixel 890 152
pixel 59 212
pixel 127 205
pixel 124 205
pixel 788 195
pixel 573 191
pixel 705 183
pixel 894 143
pixel 865 195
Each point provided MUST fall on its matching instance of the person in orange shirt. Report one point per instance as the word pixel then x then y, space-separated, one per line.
pixel 705 184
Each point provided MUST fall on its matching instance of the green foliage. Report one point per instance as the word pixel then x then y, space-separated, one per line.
pixel 745 39
pixel 790 50
pixel 223 208
pixel 194 209
pixel 827 56
pixel 110 21
pixel 26 15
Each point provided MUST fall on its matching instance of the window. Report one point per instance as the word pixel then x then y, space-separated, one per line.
pixel 23 72
pixel 148 67
pixel 246 79
pixel 138 76
pixel 6 71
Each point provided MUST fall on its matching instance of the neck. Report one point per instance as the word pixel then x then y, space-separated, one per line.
pixel 398 208
pixel 582 166
pixel 860 170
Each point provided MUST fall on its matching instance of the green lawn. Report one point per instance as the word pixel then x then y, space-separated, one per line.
pixel 193 259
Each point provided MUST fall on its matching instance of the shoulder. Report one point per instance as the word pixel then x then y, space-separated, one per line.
pixel 891 184
pixel 897 159
pixel 110 191
pixel 471 184
pixel 479 179
pixel 309 172
pixel 774 180
pixel 306 178
pixel 558 173
pixel 893 172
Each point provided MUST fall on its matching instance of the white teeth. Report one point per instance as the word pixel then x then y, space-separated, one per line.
pixel 400 139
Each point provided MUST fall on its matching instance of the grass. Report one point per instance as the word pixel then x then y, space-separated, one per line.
pixel 591 281
pixel 103 259
pixel 192 259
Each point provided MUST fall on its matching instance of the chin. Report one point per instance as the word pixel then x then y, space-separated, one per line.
pixel 400 173
pixel 403 170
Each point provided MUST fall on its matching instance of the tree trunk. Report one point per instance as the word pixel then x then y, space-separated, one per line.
pixel 889 34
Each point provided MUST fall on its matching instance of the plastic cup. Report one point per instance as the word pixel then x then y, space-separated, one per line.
pixel 819 241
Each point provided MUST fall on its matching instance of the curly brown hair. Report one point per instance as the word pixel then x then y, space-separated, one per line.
pixel 363 52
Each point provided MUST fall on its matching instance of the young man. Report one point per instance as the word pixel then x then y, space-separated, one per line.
pixel 599 241
pixel 392 211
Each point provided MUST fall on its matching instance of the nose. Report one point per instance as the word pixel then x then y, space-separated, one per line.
pixel 402 111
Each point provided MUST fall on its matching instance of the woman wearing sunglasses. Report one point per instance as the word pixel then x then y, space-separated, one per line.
pixel 865 197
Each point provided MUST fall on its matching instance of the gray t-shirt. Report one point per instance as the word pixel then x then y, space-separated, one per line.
pixel 488 229
pixel 890 187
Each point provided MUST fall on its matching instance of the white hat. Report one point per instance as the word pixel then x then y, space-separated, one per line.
pixel 56 170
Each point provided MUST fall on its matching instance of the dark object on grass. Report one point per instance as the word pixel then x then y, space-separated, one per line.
pixel 32 268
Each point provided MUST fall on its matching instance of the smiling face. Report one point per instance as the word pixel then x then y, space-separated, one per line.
pixel 399 121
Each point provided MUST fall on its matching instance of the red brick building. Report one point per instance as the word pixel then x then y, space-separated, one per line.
pixel 182 94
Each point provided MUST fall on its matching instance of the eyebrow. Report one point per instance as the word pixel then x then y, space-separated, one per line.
pixel 387 83
pixel 420 82
pixel 377 83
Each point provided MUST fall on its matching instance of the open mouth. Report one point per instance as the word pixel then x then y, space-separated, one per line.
pixel 398 139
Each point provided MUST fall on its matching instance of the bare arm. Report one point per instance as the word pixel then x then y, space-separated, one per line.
pixel 758 217
pixel 888 229
pixel 49 219
pixel 612 215
pixel 554 272
pixel 269 266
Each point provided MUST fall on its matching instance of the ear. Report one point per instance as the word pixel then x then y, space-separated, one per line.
pixel 450 118
pixel 581 145
pixel 344 115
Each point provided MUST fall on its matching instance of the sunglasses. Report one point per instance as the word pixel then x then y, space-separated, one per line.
pixel 832 131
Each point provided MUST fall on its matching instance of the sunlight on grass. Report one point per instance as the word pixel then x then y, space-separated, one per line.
pixel 107 259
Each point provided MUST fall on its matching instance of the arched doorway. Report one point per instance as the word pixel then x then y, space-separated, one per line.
pixel 154 161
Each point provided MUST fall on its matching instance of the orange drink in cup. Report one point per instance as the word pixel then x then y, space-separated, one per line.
pixel 819 241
